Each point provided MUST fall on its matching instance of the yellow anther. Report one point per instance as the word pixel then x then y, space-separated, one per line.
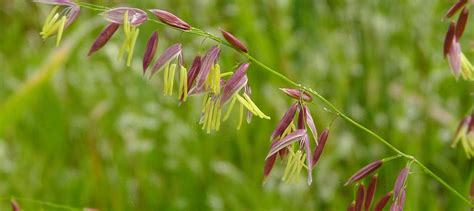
pixel 62 23
pixel 229 109
pixel 126 24
pixel 171 79
pixel 290 158
pixel 47 22
pixel 295 164
pixel 132 45
pixel 131 35
pixel 226 74
pixel 54 24
pixel 255 108
pixel 216 83
pixel 241 116
pixel 245 103
pixel 183 83
pixel 207 109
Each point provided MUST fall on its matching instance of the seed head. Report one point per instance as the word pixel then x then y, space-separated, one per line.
pixel 103 37
pixel 269 163
pixel 400 183
pixel 369 196
pixel 236 43
pixel 455 8
pixel 170 19
pixel 284 122
pixel 448 39
pixel 360 197
pixel 121 15
pixel 297 94
pixel 235 83
pixel 321 143
pixel 461 23
pixel 383 201
pixel 209 61
pixel 286 141
pixel 170 55
pixel 363 172
pixel 150 50
pixel 310 122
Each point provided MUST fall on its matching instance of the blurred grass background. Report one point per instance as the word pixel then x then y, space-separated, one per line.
pixel 90 132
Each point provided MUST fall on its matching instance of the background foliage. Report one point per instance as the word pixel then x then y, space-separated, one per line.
pixel 90 132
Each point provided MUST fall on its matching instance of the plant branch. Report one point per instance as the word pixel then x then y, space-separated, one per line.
pixel 202 33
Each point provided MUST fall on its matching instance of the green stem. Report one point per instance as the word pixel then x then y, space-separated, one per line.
pixel 391 158
pixel 202 33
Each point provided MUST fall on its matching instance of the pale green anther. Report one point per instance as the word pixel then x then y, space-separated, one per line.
pixel 50 26
pixel 256 109
pixel 213 81
pixel 291 155
pixel 208 82
pixel 210 117
pixel 47 22
pixel 126 24
pixel 123 48
pixel 132 45
pixel 183 83
pixel 245 103
pixel 215 117
pixel 206 112
pixel 219 113
pixel 294 165
pixel 180 86
pixel 291 165
pixel 131 36
pixel 229 109
pixel 226 74
pixel 299 165
pixel 182 91
pixel 54 24
pixel 241 116
pixel 250 105
pixel 467 70
pixel 171 79
pixel 216 85
pixel 60 30
pixel 467 141
pixel 204 103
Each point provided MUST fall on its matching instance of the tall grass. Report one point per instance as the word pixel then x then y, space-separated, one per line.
pixel 100 135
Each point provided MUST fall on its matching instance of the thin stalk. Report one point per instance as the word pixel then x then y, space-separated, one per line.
pixel 391 158
pixel 202 33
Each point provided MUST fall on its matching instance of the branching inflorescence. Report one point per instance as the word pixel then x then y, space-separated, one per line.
pixel 460 66
pixel 296 134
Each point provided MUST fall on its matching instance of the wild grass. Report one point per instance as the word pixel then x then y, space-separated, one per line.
pixel 97 134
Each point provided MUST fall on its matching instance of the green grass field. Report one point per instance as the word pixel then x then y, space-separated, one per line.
pixel 90 132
